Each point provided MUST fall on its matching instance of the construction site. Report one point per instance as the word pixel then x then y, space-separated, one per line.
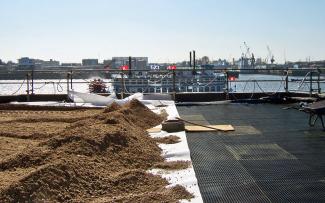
pixel 182 145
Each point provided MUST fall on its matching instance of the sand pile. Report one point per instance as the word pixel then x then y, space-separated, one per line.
pixel 102 158
pixel 30 124
pixel 133 113
pixel 171 139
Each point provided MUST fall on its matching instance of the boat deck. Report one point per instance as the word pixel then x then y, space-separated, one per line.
pixel 272 156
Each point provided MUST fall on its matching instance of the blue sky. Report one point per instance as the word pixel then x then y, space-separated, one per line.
pixel 163 30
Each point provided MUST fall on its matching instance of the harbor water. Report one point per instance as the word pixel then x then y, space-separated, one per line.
pixel 273 83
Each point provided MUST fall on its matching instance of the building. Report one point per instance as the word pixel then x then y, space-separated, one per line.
pixel 30 62
pixel 89 62
pixel 26 61
pixel 137 63
pixel 50 63
pixel 10 63
pixel 220 63
pixel 70 64
pixel 205 60
pixel 107 62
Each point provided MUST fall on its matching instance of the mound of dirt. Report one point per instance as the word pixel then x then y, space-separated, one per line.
pixel 133 113
pixel 37 125
pixel 102 158
pixel 41 108
pixel 79 181
pixel 173 165
pixel 113 107
pixel 171 139
pixel 33 157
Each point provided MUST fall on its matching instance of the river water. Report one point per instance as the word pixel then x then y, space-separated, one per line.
pixel 245 83
pixel 276 83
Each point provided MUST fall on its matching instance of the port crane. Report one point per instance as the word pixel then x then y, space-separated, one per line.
pixel 248 55
pixel 270 56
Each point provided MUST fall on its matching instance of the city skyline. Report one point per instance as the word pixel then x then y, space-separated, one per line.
pixel 163 30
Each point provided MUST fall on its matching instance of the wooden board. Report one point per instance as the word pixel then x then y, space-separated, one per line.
pixel 154 130
pixel 193 128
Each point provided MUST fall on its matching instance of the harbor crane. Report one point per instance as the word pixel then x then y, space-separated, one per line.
pixel 270 56
pixel 248 55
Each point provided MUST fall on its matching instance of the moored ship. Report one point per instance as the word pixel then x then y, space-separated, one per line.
pixel 182 81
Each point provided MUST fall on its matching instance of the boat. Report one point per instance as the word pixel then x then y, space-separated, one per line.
pixel 185 81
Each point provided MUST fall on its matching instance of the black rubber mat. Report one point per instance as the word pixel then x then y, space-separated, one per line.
pixel 275 157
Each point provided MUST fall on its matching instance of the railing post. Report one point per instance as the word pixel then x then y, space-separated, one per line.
pixel 318 81
pixel 286 87
pixel 68 86
pixel 33 80
pixel 71 80
pixel 174 84
pixel 311 83
pixel 130 65
pixel 227 84
pixel 122 84
pixel 27 90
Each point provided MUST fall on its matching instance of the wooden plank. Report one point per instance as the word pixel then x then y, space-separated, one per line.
pixel 154 130
pixel 193 128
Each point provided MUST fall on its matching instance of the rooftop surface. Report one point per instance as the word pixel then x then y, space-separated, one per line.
pixel 272 156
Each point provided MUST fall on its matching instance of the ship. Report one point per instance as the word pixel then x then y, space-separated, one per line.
pixel 183 81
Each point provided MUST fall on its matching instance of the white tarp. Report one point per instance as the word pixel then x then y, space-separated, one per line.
pixel 177 152
pixel 95 99
pixel 98 100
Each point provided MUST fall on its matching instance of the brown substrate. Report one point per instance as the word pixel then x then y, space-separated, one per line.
pixel 102 157
pixel 166 195
pixel 30 130
pixel 10 146
pixel 41 108
pixel 171 139
pixel 173 165
pixel 40 124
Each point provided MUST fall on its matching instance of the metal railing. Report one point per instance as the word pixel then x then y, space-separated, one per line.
pixel 173 81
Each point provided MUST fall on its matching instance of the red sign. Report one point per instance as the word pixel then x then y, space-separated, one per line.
pixel 232 78
pixel 125 67
pixel 171 67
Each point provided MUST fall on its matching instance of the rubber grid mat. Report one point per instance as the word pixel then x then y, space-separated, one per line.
pixel 284 162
